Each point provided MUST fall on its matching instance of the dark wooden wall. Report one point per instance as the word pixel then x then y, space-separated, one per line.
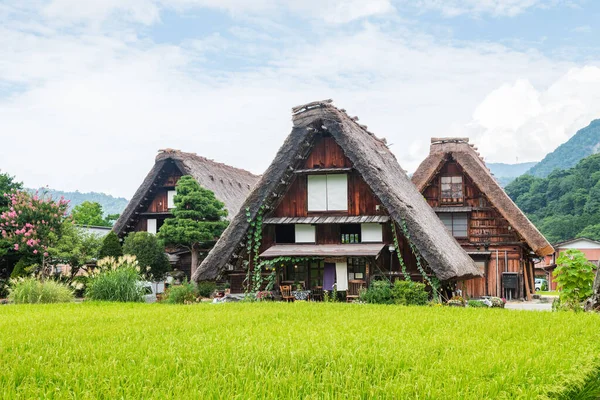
pixel 487 231
pixel 327 154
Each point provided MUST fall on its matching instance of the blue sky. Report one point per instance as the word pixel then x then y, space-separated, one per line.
pixel 89 91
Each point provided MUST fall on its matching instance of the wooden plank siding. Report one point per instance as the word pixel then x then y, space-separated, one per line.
pixel 487 231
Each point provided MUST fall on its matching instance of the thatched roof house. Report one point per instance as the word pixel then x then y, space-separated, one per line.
pixel 369 157
pixel 230 185
pixel 466 155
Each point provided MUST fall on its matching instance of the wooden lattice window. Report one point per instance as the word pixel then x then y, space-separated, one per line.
pixel 452 189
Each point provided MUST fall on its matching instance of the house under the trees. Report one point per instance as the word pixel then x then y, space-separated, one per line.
pixel 153 201
pixel 460 188
pixel 330 209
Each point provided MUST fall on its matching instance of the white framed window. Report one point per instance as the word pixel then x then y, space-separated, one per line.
pixel 456 223
pixel 171 198
pixel 371 233
pixel 328 192
pixel 305 233
pixel 151 226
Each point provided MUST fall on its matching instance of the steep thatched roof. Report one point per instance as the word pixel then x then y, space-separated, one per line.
pixel 466 155
pixel 380 170
pixel 230 185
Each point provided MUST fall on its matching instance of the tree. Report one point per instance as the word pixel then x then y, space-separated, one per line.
pixel 149 252
pixel 111 246
pixel 574 276
pixel 198 219
pixel 89 214
pixel 32 223
pixel 74 247
pixel 7 186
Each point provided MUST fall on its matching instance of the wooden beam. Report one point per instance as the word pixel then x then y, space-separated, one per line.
pixel 526 274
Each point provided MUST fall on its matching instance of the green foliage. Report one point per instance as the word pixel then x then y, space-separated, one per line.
pixel 380 292
pixel 582 144
pixel 7 185
pixel 89 214
pixel 574 276
pixel 409 293
pixel 564 205
pixel 21 269
pixel 116 280
pixel 296 351
pixel 149 252
pixel 476 304
pixel 206 289
pixel 75 247
pixel 111 246
pixel 181 294
pixel 197 217
pixel 32 291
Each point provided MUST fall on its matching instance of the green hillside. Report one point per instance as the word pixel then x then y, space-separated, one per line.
pixel 584 143
pixel 564 205
pixel 506 173
pixel 110 204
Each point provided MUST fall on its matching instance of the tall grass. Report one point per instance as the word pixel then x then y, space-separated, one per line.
pixel 293 351
pixel 31 290
pixel 120 284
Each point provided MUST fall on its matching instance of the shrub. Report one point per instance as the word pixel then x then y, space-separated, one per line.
pixel 497 302
pixel 3 288
pixel 409 293
pixel 149 253
pixel 206 289
pixel 476 303
pixel 379 292
pixel 116 280
pixel 31 291
pixel 574 277
pixel 111 246
pixel 21 269
pixel 181 294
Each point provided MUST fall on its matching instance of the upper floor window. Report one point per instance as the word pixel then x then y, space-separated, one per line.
pixel 456 223
pixel 171 198
pixel 328 192
pixel 452 189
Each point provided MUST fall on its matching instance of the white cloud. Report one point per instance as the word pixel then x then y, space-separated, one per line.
pixel 508 8
pixel 522 122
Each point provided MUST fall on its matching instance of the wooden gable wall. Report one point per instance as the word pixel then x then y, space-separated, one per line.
pixel 486 224
pixel 326 153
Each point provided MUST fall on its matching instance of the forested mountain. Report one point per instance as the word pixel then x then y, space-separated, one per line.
pixel 110 204
pixel 584 143
pixel 564 205
pixel 505 173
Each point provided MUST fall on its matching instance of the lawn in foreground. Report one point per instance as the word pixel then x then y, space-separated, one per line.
pixel 276 350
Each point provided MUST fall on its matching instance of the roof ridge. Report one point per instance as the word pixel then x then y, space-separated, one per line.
pixel 181 155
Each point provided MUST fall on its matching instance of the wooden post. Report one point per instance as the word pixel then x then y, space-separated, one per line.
pixel 527 288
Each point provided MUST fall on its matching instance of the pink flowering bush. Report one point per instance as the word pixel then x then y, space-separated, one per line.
pixel 31 222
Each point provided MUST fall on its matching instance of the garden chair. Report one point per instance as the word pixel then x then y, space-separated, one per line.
pixel 317 293
pixel 354 288
pixel 286 293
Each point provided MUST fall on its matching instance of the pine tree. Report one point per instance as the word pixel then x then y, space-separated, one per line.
pixel 111 246
pixel 198 219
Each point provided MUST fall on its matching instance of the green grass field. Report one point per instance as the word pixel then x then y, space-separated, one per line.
pixel 294 351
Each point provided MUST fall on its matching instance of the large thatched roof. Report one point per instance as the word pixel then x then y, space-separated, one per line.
pixel 230 185
pixel 466 155
pixel 380 170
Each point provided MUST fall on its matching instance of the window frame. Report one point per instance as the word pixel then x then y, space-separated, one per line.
pixel 452 228
pixel 317 186
pixel 444 200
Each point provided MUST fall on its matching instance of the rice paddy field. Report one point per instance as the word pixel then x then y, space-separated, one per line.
pixel 294 351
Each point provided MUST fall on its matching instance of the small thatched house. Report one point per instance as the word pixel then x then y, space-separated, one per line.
pixel 330 199
pixel 462 191
pixel 152 202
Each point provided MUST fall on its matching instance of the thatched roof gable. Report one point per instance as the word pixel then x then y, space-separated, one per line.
pixel 466 155
pixel 380 170
pixel 230 185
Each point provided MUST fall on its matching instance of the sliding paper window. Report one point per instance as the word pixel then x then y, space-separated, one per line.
pixel 328 192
